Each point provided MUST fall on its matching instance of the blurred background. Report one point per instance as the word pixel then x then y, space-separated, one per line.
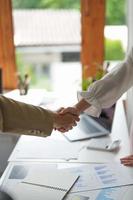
pixel 47 37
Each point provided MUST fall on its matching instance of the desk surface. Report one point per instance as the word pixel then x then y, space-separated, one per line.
pixel 34 96
pixel 119 131
pixel 17 171
pixel 41 97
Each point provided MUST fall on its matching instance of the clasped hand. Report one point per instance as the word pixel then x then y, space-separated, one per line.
pixel 65 119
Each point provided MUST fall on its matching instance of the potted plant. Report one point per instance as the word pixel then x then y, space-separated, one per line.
pixel 100 72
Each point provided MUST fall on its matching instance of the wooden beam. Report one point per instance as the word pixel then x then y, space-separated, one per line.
pixel 7 50
pixel 92 33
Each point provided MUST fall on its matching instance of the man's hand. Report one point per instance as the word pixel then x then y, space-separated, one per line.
pixel 127 161
pixel 71 111
pixel 65 121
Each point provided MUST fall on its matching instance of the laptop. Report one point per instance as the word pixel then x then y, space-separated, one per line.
pixel 92 127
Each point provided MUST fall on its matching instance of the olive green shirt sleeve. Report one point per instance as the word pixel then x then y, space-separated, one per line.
pixel 24 118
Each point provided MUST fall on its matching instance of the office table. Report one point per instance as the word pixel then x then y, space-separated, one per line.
pixel 17 171
pixel 119 131
pixel 85 156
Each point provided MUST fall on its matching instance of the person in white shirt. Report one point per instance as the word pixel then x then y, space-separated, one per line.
pixel 105 92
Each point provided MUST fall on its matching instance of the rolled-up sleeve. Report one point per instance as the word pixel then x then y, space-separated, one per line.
pixel 105 92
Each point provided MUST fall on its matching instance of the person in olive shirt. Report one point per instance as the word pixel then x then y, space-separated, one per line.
pixel 22 118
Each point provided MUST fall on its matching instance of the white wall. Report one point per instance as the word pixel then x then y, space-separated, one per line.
pixel 130 44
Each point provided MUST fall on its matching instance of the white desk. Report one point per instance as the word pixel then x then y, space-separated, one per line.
pixel 34 96
pixel 120 131
pixel 17 171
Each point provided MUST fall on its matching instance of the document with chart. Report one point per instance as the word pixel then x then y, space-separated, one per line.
pixel 99 176
pixel 116 193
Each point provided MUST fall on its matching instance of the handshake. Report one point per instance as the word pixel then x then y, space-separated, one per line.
pixel 65 119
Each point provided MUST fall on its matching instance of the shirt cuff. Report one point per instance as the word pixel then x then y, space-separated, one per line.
pixel 95 108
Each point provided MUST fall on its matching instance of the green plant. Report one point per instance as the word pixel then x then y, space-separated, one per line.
pixel 86 83
pixel 100 72
pixel 24 68
pixel 113 50
pixel 115 12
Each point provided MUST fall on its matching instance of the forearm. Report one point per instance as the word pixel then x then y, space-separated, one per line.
pixel 82 105
pixel 21 116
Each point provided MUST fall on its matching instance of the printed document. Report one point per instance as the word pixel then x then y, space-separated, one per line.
pixel 99 176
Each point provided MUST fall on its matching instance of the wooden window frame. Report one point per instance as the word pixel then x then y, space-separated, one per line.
pixel 7 49
pixel 92 44
pixel 92 34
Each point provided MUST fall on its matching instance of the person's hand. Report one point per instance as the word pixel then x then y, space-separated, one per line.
pixel 77 109
pixel 127 161
pixel 70 110
pixel 64 122
pixel 73 111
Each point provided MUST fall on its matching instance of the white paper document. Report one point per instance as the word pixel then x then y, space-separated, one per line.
pixel 112 194
pixel 44 148
pixel 99 176
pixel 51 185
pixel 117 193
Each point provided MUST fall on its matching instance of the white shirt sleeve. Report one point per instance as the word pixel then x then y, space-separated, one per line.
pixel 105 92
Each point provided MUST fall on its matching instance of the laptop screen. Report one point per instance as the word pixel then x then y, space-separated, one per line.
pixel 106 118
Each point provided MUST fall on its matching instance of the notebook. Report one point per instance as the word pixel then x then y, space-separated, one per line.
pixel 91 127
pixel 52 184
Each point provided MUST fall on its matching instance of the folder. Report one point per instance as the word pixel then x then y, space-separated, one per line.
pixel 51 185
